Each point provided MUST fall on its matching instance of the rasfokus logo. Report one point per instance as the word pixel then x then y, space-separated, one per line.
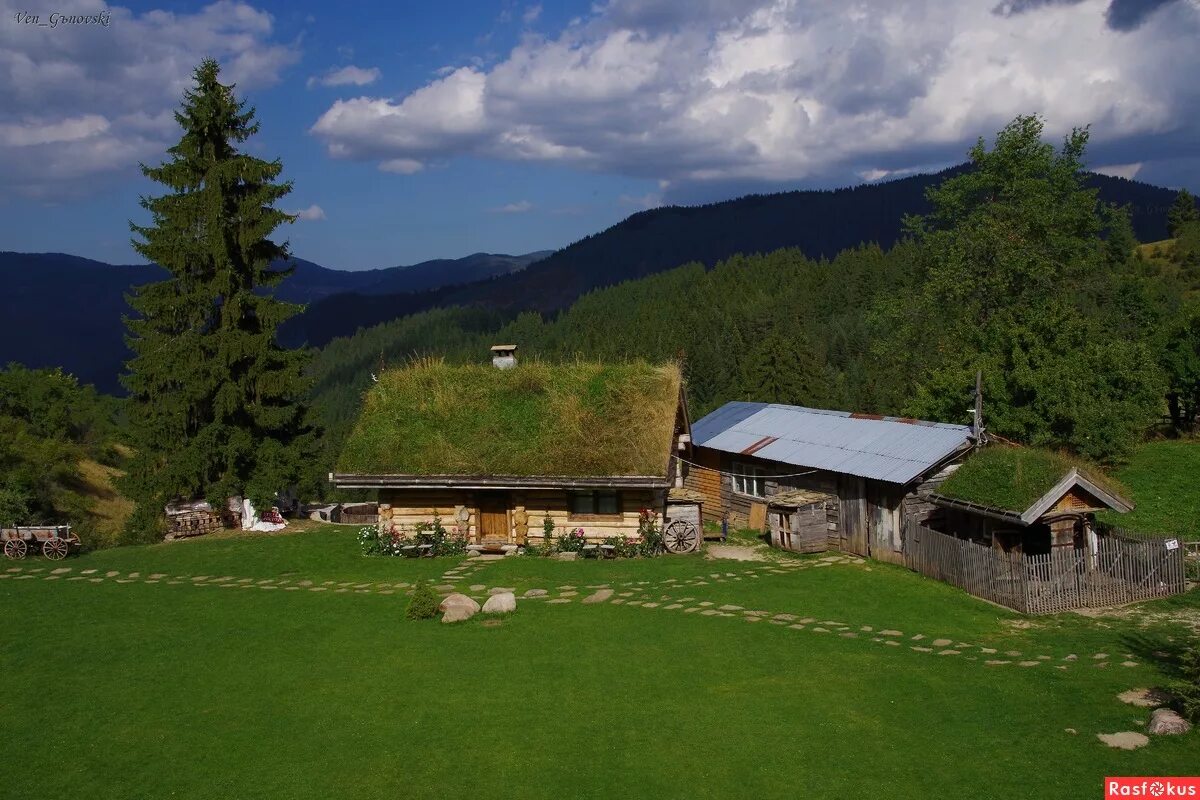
pixel 1151 787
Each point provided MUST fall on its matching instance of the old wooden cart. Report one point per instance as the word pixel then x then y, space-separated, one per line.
pixel 54 541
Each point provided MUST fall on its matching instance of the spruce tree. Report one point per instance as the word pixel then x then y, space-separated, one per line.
pixel 215 402
pixel 783 369
pixel 1181 212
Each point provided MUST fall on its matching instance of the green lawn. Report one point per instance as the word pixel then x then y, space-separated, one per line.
pixel 1164 479
pixel 185 689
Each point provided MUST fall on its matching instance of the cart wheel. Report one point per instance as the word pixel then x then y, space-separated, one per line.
pixel 681 537
pixel 55 549
pixel 14 549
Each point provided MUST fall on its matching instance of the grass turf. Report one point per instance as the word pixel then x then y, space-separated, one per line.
pixel 1162 482
pixel 195 691
pixel 578 418
pixel 1014 478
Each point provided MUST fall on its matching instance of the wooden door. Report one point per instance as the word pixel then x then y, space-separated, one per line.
pixel 883 522
pixel 493 519
pixel 853 502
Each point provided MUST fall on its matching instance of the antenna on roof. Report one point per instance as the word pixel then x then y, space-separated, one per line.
pixel 977 429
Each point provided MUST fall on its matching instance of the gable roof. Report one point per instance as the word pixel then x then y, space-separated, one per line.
pixel 584 424
pixel 892 449
pixel 1023 484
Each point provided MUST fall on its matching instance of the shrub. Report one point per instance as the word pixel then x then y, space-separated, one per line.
pixel 572 542
pixel 1187 688
pixel 651 543
pixel 392 542
pixel 423 604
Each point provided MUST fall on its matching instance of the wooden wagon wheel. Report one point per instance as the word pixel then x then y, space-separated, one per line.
pixel 55 549
pixel 14 549
pixel 681 537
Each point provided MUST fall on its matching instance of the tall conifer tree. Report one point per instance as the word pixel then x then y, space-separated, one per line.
pixel 216 403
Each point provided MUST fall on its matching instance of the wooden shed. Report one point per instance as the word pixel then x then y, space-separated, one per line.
pixel 500 454
pixel 1025 500
pixel 798 520
pixel 877 470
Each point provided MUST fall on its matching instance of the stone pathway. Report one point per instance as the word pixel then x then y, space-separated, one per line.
pixel 670 594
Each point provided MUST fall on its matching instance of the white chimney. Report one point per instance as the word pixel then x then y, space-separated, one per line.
pixel 504 356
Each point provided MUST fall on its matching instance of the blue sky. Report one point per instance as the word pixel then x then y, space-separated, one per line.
pixel 416 131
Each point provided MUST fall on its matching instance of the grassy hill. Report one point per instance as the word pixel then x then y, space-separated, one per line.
pixel 1163 478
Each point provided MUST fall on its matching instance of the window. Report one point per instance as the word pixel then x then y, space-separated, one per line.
pixel 749 479
pixel 600 501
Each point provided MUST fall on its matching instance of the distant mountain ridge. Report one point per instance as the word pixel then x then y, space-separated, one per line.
pixel 65 311
pixel 820 223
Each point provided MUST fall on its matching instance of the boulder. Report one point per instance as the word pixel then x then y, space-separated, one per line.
pixel 458 607
pixel 1165 722
pixel 535 593
pixel 503 603
pixel 566 556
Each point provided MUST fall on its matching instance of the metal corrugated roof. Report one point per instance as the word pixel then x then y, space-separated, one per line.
pixel 884 448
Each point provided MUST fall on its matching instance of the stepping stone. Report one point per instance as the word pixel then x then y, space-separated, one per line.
pixel 920 649
pixel 941 642
pixel 1029 663
pixel 808 620
pixel 568 594
pixel 777 621
pixel 130 575
pixel 918 637
pixel 619 600
pixel 649 605
pixel 534 593
pixel 731 608
pixel 1129 663
pixel 949 652
pixel 671 607
pixel 750 619
pixel 318 589
pixel 111 574
pixel 1100 656
pixel 157 576
pixel 1012 653
pixel 891 642
pixel 705 603
pixel 784 617
pixel 51 578
pixel 708 612
pixel 600 595
pixel 848 635
pixel 866 629
pixel 1126 740
pixel 890 632
pixel 305 583
pixel 995 662
pixel 820 630
pixel 96 580
pixel 565 588
pixel 635 602
pixel 297 588
pixel 1101 664
pixel 558 600
pixel 626 594
pixel 988 650
pixel 1043 658
pixel 797 627
pixel 62 570
pixel 478 587
pixel 448 587
pixel 500 590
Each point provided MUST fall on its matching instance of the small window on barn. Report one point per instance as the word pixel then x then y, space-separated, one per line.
pixel 601 501
pixel 749 479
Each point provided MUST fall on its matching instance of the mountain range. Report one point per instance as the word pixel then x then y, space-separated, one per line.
pixel 66 311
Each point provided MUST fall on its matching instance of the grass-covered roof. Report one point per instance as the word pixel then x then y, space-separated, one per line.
pixel 574 419
pixel 1014 478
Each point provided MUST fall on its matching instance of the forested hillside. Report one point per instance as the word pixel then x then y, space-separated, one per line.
pixel 1083 337
pixel 819 223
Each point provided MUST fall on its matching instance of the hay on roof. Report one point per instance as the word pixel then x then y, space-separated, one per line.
pixel 434 418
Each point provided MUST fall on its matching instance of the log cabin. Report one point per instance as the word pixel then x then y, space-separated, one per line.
pixel 503 453
pixel 796 472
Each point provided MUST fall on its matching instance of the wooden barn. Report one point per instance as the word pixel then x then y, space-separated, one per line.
pixel 798 471
pixel 496 451
pixel 1025 500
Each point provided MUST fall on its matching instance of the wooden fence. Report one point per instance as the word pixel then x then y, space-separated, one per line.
pixel 1120 571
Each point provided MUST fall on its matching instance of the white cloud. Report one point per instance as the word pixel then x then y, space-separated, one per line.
pixel 311 214
pixel 519 207
pixel 81 103
pixel 531 14
pixel 645 201
pixel 1127 171
pixel 779 90
pixel 345 76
